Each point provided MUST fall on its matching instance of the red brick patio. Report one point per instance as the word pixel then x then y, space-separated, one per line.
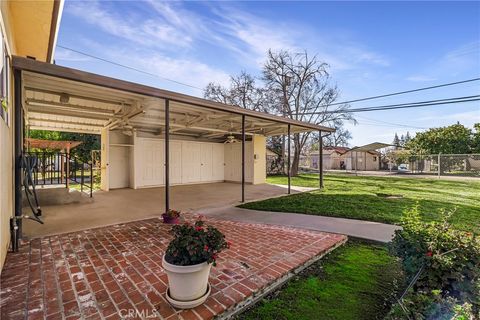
pixel 115 272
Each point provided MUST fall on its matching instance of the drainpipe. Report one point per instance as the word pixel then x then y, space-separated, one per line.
pixel 16 221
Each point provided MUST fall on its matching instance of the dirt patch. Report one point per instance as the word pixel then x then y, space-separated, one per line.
pixel 389 196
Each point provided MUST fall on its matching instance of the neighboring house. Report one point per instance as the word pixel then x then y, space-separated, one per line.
pixel 149 137
pixel 344 158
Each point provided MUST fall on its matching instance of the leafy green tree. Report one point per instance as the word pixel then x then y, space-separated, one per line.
pixel 476 138
pixel 448 140
pixel 89 141
pixel 396 141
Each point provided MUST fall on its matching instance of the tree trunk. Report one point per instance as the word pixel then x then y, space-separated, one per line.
pixel 296 155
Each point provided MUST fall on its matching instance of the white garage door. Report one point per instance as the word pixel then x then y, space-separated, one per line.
pixel 190 162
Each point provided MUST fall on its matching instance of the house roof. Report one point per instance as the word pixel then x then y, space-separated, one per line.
pixel 337 149
pixel 371 147
pixel 91 102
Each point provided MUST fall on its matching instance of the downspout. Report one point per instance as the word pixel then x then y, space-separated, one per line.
pixel 16 221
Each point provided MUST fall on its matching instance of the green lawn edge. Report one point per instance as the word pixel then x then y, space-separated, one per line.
pixel 356 281
pixel 366 198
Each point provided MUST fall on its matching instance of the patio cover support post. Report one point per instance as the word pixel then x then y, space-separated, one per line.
pixel 167 155
pixel 320 159
pixel 288 160
pixel 243 158
pixel 16 222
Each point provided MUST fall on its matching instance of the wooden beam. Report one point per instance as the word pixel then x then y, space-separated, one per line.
pixel 78 115
pixel 64 129
pixel 30 119
pixel 76 96
pixel 68 106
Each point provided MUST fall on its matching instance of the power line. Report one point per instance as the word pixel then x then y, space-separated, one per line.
pixel 386 125
pixel 407 91
pixel 129 67
pixel 390 123
pixel 404 105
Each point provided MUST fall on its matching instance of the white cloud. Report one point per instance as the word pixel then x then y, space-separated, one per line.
pixel 147 32
pixel 462 59
pixel 421 78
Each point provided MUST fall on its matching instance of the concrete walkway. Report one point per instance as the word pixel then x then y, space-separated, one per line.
pixel 375 231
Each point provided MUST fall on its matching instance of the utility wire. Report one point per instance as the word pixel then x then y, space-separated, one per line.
pixel 389 123
pixel 404 105
pixel 407 91
pixel 129 67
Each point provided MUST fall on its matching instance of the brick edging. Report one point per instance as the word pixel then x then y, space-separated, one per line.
pixel 257 296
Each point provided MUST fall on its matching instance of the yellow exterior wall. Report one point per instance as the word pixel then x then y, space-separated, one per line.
pixel 6 151
pixel 259 159
pixel 25 27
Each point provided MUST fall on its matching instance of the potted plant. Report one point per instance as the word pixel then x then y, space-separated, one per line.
pixel 187 262
pixel 171 217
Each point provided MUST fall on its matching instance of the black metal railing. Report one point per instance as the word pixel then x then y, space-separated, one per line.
pixel 59 168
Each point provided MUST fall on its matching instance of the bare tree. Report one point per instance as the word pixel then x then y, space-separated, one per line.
pixel 303 92
pixel 340 137
pixel 295 85
pixel 243 92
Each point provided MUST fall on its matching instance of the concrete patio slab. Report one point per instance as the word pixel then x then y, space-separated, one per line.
pixel 374 231
pixel 115 272
pixel 124 205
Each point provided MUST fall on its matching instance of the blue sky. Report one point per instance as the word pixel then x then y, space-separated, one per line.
pixel 372 48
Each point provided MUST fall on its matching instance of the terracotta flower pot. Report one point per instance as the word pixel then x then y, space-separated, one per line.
pixel 170 220
pixel 187 285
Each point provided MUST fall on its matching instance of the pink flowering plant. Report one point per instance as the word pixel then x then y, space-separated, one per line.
pixel 195 243
pixel 172 214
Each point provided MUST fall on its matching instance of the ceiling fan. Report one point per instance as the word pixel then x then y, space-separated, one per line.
pixel 230 137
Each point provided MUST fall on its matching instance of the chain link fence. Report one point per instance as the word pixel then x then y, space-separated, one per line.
pixel 467 165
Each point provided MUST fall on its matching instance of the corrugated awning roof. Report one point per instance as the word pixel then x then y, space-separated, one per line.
pixel 65 99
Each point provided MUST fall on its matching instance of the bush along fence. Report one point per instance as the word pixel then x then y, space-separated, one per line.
pixel 442 267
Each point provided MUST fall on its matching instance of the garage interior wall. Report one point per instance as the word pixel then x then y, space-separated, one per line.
pixel 138 161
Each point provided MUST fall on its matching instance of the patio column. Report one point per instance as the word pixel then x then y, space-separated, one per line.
pixel 320 159
pixel 288 160
pixel 167 155
pixel 243 158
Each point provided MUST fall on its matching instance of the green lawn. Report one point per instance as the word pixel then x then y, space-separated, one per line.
pixel 356 281
pixel 365 198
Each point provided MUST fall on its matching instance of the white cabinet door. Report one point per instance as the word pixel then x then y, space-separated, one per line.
pixel 218 162
pixel 206 169
pixel 233 162
pixel 175 162
pixel 119 167
pixel 153 162
pixel 191 162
